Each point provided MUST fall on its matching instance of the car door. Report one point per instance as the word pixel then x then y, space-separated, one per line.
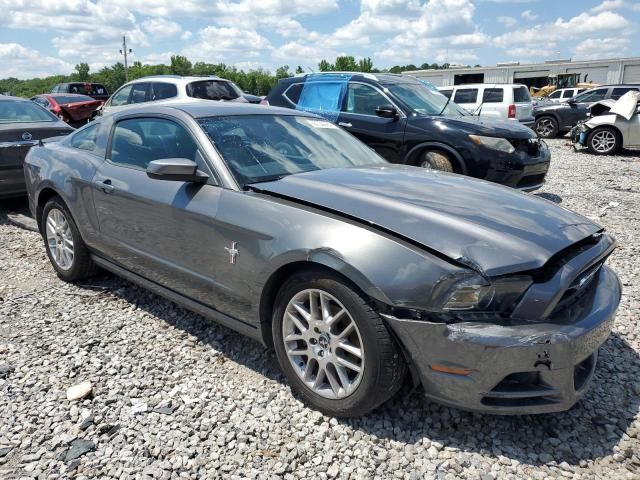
pixel 161 230
pixel 358 116
pixel 577 110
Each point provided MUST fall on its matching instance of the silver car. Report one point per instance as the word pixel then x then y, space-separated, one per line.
pixel 284 227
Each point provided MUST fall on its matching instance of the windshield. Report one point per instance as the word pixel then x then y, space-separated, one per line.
pixel 14 111
pixel 260 148
pixel 213 90
pixel 424 101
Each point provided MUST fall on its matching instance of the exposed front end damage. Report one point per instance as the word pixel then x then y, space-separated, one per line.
pixel 538 359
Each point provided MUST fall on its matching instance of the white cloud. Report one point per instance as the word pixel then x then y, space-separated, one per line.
pixel 508 21
pixel 186 35
pixel 594 48
pixel 21 62
pixel 529 15
pixel 609 5
pixel 161 28
pixel 216 42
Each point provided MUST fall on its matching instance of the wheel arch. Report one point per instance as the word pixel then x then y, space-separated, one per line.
pixel 459 163
pixel 45 194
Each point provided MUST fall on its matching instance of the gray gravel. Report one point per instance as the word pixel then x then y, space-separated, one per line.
pixel 177 397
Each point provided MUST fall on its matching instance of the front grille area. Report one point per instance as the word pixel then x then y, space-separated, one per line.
pixel 583 371
pixel 521 390
pixel 531 180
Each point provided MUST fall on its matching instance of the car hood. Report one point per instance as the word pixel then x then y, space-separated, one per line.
pixel 493 229
pixel 487 126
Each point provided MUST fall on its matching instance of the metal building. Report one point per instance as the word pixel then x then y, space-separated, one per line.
pixel 609 71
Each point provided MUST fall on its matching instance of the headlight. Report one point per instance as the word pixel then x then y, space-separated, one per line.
pixel 495 143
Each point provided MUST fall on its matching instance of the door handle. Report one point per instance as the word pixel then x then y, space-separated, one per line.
pixel 105 186
pixel 345 124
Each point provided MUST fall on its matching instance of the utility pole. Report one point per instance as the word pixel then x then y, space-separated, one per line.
pixel 125 52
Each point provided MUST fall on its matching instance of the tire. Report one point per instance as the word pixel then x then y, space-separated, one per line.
pixel 436 160
pixel 58 227
pixel 381 365
pixel 603 141
pixel 546 127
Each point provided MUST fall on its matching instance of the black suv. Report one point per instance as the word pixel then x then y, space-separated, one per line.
pixel 97 91
pixel 553 119
pixel 407 121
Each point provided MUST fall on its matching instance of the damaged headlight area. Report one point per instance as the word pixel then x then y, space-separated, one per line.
pixel 472 296
pixel 494 143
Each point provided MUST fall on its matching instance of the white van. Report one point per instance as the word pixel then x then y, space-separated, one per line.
pixel 500 101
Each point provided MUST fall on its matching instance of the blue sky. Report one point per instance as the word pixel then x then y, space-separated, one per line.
pixel 44 37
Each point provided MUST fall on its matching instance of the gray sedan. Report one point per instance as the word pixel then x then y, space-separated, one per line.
pixel 282 226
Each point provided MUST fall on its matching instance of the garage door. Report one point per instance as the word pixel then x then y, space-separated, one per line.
pixel 594 74
pixel 631 74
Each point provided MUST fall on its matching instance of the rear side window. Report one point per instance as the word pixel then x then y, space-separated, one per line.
pixel 140 93
pixel 138 141
pixel 568 93
pixel 466 95
pixel 493 95
pixel 557 94
pixel 521 95
pixel 446 93
pixel 212 90
pixel 618 92
pixel 293 93
pixel 162 91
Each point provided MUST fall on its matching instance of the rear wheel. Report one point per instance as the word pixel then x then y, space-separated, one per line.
pixel 436 160
pixel 546 127
pixel 603 141
pixel 333 347
pixel 65 248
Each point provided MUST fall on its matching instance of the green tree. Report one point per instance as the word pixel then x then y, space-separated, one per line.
pixel 82 72
pixel 365 65
pixel 180 65
pixel 346 63
pixel 282 72
pixel 299 69
pixel 325 66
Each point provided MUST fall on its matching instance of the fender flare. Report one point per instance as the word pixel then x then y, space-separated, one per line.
pixel 441 146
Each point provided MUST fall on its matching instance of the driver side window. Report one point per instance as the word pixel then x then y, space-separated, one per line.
pixel 121 97
pixel 592 95
pixel 363 99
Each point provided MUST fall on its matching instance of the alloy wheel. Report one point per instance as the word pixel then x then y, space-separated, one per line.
pixel 60 239
pixel 323 344
pixel 603 141
pixel 545 127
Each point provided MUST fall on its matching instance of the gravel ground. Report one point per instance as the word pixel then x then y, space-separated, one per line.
pixel 177 397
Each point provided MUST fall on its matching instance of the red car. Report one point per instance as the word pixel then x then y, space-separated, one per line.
pixel 69 107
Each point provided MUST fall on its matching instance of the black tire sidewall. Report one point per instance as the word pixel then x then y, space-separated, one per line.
pixel 554 133
pixel 593 132
pixel 76 268
pixel 364 398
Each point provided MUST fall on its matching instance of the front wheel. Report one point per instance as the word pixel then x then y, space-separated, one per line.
pixel 65 248
pixel 333 347
pixel 436 160
pixel 603 141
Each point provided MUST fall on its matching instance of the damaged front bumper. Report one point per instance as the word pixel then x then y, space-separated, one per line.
pixel 513 369
pixel 578 134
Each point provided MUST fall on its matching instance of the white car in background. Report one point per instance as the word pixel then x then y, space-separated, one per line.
pixel 167 89
pixel 612 125
pixel 507 101
pixel 563 94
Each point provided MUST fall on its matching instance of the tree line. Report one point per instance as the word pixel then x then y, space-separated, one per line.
pixel 255 81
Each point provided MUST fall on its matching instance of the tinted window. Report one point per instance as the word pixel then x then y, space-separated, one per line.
pixel 423 100
pixel 138 141
pixel 140 93
pixel 266 147
pixel 162 91
pixel 87 88
pixel 493 95
pixel 363 99
pixel 594 95
pixel 293 92
pixel 521 95
pixel 618 92
pixel 121 97
pixel 85 139
pixel 568 93
pixel 557 94
pixel 41 101
pixel 212 90
pixel 64 99
pixel 24 111
pixel 466 95
pixel 446 93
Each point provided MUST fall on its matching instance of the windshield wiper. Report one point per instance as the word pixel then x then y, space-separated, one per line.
pixel 269 178
pixel 445 106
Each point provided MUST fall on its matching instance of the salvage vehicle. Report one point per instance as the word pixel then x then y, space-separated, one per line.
pixel 167 89
pixel 282 226
pixel 612 125
pixel 97 91
pixel 70 107
pixel 498 101
pixel 553 119
pixel 22 125
pixel 408 122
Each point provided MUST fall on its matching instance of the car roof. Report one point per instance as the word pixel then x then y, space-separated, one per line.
pixel 486 85
pixel 178 78
pixel 374 77
pixel 209 108
pixel 11 97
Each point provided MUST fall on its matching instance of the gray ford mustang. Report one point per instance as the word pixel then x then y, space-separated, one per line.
pixel 287 229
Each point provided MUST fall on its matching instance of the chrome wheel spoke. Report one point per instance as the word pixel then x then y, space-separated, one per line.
pixel 59 239
pixel 323 344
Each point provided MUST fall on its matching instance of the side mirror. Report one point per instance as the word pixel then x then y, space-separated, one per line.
pixel 571 101
pixel 387 111
pixel 176 169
